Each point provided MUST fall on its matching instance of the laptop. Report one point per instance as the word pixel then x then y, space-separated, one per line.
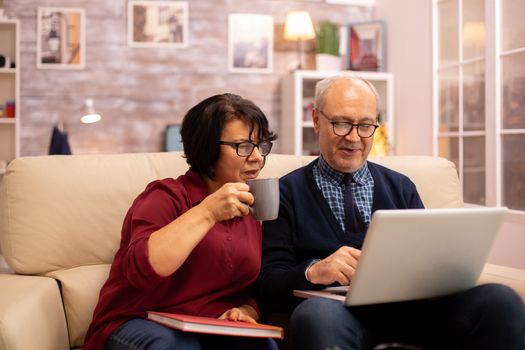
pixel 414 254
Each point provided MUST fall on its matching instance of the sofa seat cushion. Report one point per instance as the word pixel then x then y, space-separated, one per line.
pixel 80 289
pixel 509 276
pixel 31 314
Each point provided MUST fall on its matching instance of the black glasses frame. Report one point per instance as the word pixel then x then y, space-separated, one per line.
pixel 236 145
pixel 352 125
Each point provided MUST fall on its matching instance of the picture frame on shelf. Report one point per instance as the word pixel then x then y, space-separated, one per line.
pixel 159 24
pixel 250 43
pixel 366 46
pixel 60 38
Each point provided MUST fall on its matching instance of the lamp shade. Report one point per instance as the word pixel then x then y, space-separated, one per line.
pixel 90 115
pixel 474 34
pixel 298 26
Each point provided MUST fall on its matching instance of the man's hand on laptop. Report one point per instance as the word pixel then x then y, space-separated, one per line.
pixel 337 267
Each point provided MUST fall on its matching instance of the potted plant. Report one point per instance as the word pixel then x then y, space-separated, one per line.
pixel 327 46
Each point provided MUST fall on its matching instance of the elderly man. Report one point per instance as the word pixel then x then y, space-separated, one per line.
pixel 324 213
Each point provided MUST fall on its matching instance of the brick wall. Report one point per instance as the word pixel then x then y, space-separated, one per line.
pixel 139 91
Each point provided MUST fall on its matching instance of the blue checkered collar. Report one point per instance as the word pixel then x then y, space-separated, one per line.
pixel 361 176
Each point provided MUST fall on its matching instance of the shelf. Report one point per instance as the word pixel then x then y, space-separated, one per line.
pixel 10 89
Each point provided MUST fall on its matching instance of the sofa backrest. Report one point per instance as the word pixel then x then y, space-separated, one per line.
pixel 60 212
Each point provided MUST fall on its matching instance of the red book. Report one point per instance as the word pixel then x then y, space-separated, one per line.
pixel 210 325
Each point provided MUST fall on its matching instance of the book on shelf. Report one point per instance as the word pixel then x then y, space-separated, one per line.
pixel 210 325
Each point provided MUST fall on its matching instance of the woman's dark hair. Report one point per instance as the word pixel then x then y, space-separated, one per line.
pixel 202 127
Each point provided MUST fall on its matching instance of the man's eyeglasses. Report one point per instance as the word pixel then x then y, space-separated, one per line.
pixel 364 130
pixel 245 148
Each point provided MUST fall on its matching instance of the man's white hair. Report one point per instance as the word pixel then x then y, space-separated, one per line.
pixel 322 87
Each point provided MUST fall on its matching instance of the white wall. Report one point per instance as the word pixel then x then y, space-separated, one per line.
pixel 409 58
pixel 408 26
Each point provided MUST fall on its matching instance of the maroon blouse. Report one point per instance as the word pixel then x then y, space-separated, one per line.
pixel 217 275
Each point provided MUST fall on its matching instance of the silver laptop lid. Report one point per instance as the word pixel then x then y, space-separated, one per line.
pixel 422 253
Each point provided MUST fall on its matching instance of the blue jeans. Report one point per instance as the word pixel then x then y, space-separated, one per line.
pixel 140 334
pixel 485 317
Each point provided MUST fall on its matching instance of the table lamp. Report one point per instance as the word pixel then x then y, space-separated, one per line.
pixel 299 27
pixel 474 35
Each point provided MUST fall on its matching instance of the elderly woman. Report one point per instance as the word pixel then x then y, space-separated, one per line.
pixel 190 245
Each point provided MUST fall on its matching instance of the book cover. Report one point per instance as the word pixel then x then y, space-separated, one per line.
pixel 210 325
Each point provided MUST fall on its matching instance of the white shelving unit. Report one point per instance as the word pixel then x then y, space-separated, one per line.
pixel 298 88
pixel 10 91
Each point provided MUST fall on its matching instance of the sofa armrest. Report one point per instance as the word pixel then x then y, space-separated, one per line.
pixel 509 276
pixel 31 314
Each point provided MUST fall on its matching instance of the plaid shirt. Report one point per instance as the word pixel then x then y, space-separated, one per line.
pixel 331 184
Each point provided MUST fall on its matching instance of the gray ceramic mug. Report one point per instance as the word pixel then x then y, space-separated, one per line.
pixel 266 198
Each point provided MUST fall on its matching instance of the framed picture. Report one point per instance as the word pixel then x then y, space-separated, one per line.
pixel 250 43
pixel 60 38
pixel 158 24
pixel 366 46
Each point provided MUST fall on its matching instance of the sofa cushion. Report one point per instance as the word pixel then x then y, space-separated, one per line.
pixel 64 211
pixel 512 277
pixel 439 188
pixel 31 314
pixel 278 165
pixel 80 289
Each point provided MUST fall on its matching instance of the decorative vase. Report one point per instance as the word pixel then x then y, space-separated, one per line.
pixel 325 61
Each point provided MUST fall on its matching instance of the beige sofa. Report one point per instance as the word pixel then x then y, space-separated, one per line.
pixel 60 220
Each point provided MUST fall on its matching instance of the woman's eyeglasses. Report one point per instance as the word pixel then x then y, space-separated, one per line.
pixel 245 148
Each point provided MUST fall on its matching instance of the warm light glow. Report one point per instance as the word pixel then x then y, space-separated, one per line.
pixel 474 34
pixel 90 115
pixel 298 26
pixel 90 118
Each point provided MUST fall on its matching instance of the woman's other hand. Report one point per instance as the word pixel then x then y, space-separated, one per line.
pixel 244 313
